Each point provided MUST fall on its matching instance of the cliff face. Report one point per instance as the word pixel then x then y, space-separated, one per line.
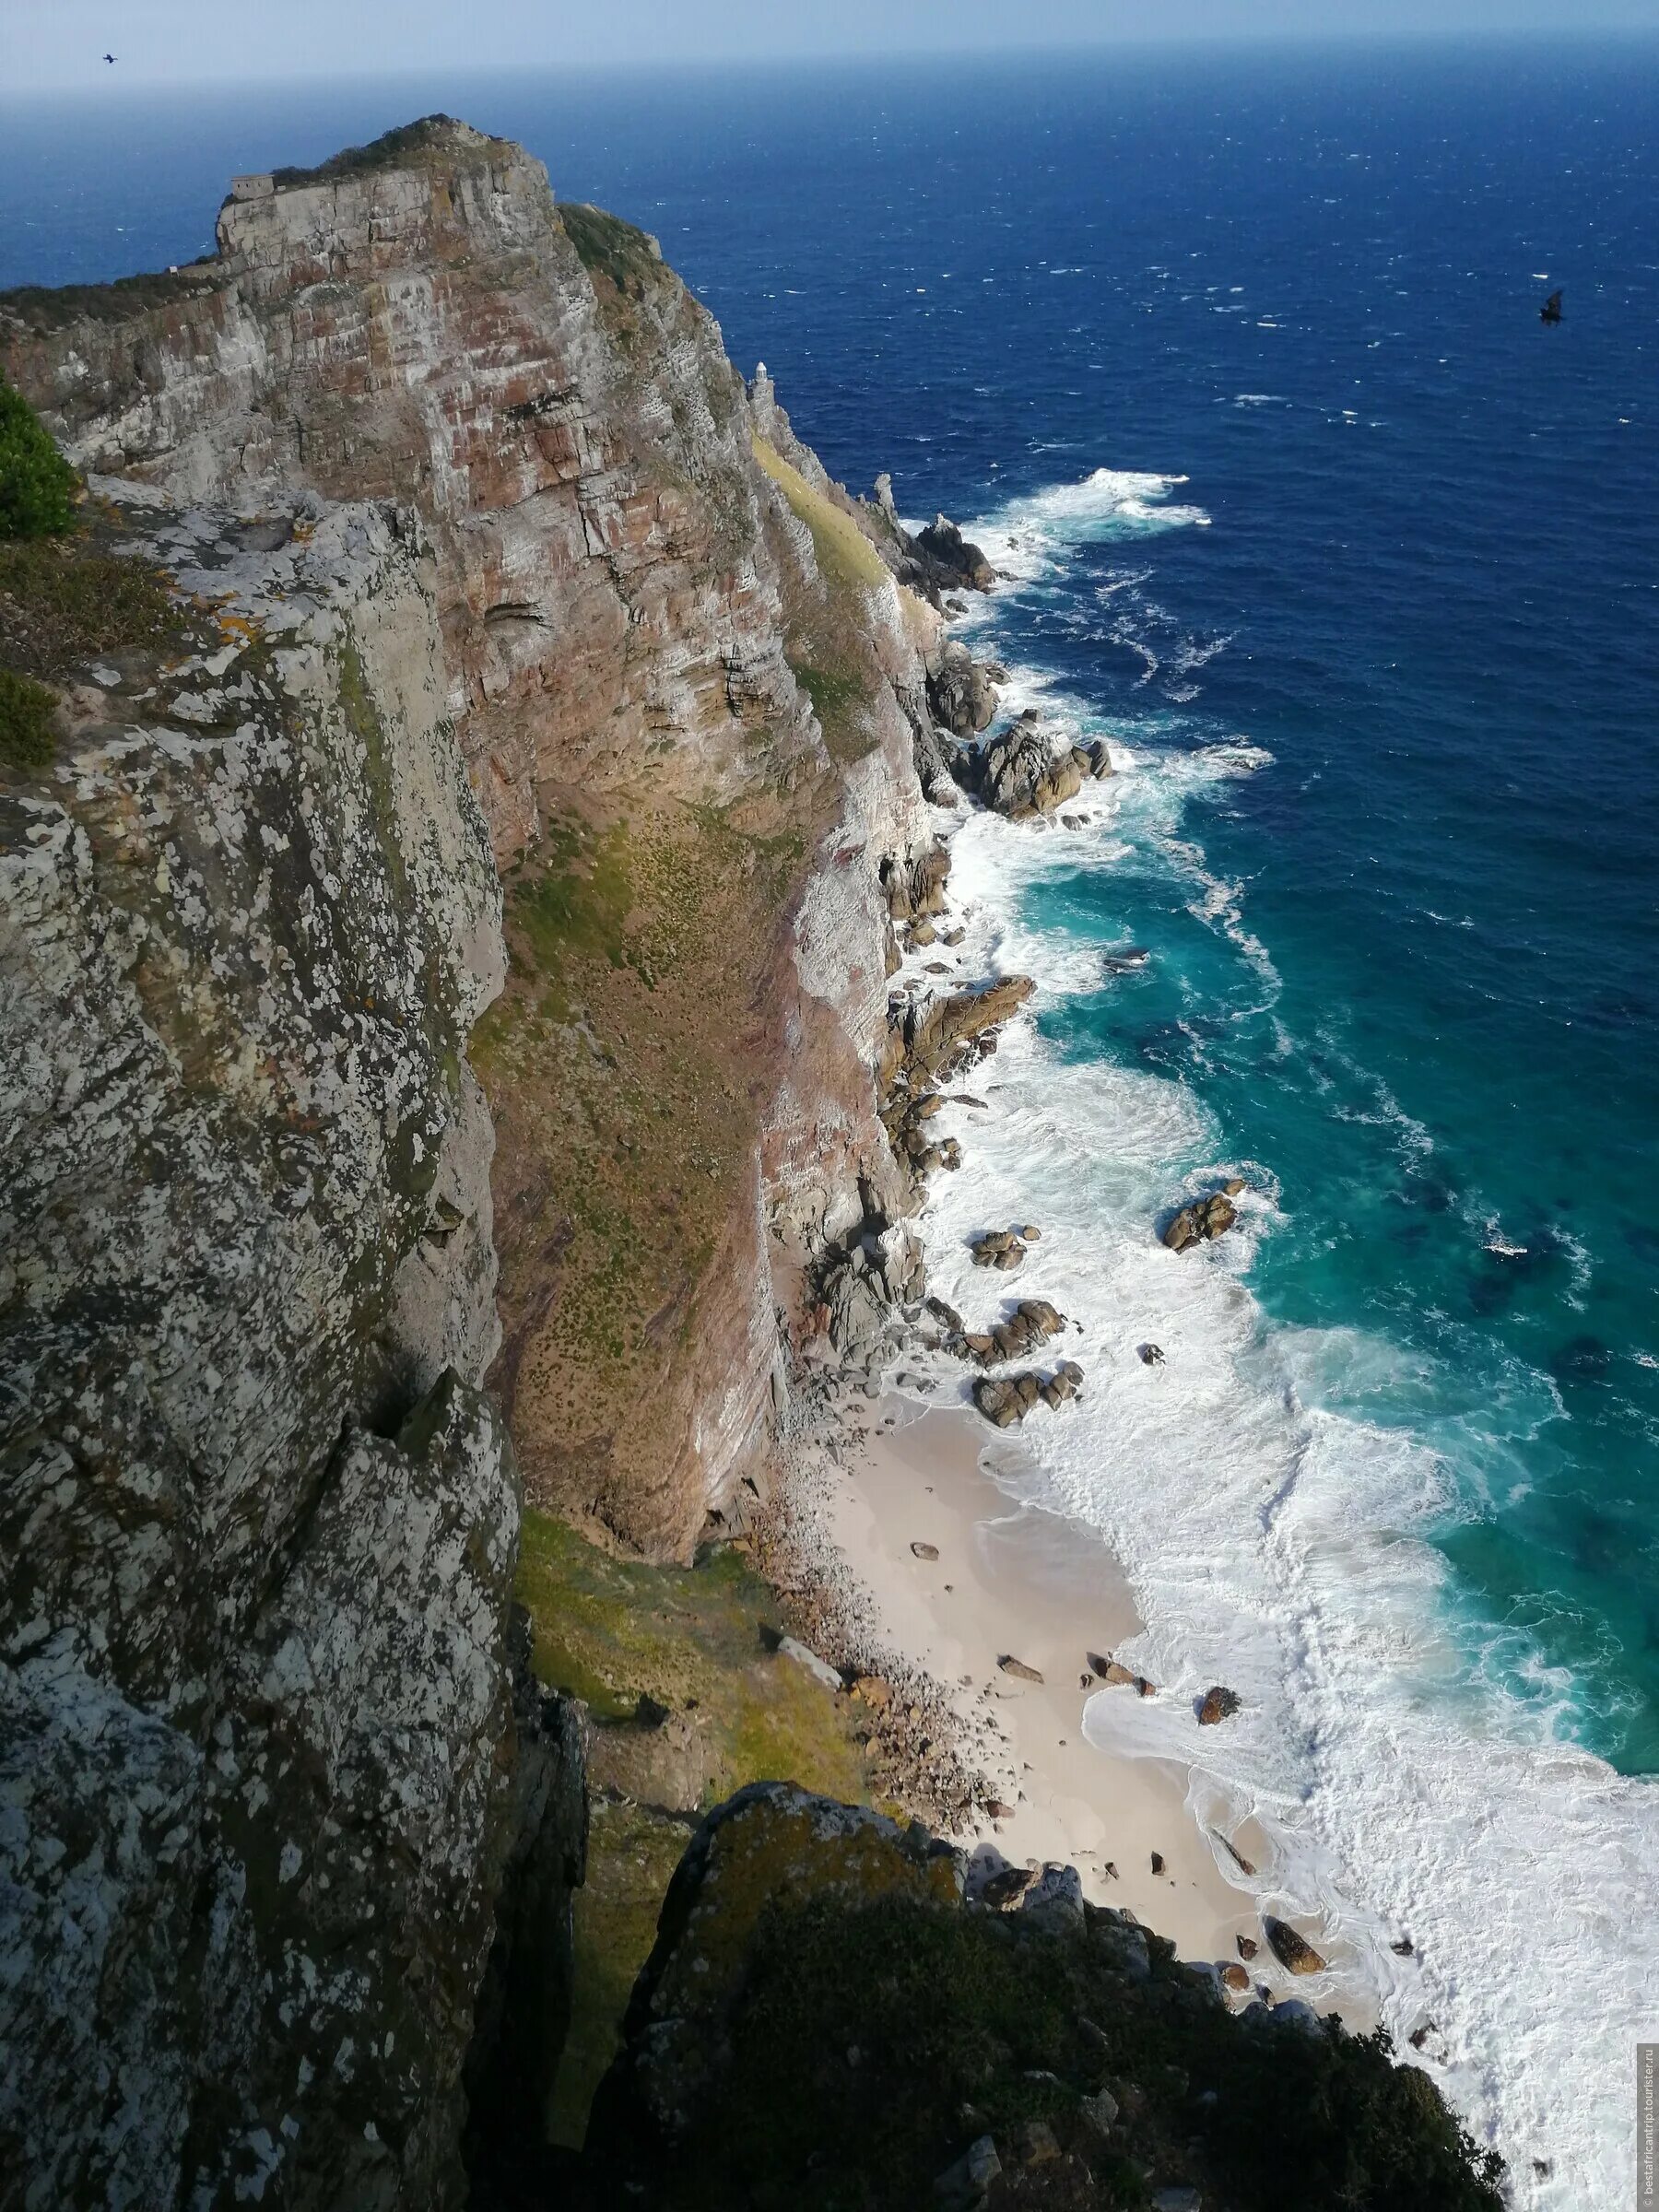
pixel 260 1522
pixel 686 691
pixel 477 563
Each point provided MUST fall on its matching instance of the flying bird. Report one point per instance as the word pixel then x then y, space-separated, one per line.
pixel 1552 310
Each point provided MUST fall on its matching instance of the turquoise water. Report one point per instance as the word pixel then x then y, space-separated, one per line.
pixel 1368 601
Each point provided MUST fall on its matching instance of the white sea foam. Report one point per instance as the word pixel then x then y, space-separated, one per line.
pixel 1402 1762
pixel 1032 534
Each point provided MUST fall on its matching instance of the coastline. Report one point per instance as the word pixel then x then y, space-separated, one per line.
pixel 1014 1580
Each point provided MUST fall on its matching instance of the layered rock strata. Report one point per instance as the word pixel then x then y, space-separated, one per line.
pixel 687 693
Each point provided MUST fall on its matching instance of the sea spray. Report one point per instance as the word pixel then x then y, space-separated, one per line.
pixel 1474 1880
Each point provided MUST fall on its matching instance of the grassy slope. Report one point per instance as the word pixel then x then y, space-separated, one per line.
pixel 689 1640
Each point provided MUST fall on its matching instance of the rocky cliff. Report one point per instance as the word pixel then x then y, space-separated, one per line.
pixel 463 558
pixel 259 1521
pixel 686 692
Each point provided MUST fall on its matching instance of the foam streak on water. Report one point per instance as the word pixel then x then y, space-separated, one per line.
pixel 1275 1542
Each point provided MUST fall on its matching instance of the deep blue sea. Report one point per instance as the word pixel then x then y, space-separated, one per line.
pixel 1234 362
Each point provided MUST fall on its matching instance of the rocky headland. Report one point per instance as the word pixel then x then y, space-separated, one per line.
pixel 464 812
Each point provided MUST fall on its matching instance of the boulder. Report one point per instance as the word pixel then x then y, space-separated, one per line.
pixel 960 693
pixel 999 1248
pixel 925 1551
pixel 1150 1355
pixel 790 1648
pixel 956 560
pixel 1201 1222
pixel 1005 1401
pixel 1234 1977
pixel 1018 1669
pixel 930 1036
pixel 965 2185
pixel 913 885
pixel 1292 1948
pixel 1019 773
pixel 1055 1900
pixel 1219 1704
pixel 1005 1888
pixel 1247 1947
pixel 1100 2111
pixel 875 1693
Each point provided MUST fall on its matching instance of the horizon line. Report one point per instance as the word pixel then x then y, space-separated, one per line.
pixel 1290 41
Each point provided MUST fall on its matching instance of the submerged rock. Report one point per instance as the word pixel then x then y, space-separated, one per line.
pixel 1217 1704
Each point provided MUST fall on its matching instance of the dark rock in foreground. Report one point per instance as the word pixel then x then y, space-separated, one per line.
pixel 825 2021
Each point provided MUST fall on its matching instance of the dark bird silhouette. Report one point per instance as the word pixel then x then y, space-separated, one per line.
pixel 1552 310
pixel 109 57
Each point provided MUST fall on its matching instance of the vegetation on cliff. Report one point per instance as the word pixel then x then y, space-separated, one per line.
pixel 690 1701
pixel 64 595
pixel 38 487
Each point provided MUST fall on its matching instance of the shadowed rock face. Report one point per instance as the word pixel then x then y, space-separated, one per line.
pixel 839 2011
pixel 260 1522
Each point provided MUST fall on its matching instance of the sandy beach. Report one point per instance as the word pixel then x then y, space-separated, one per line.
pixel 1012 1582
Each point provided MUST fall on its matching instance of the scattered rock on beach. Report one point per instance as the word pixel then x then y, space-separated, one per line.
pixel 1158 1862
pixel 1201 1222
pixel 1233 1852
pixel 873 1690
pixel 1292 1948
pixel 1219 1704
pixel 1247 1947
pixel 997 1811
pixel 925 1551
pixel 1234 1976
pixel 1018 1669
pixel 789 1647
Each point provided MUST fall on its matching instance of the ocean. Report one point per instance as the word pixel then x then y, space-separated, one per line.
pixel 1232 362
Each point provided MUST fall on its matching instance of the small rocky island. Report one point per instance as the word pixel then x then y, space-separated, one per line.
pixel 464 780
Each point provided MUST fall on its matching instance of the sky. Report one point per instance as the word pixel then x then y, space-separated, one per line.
pixel 57 45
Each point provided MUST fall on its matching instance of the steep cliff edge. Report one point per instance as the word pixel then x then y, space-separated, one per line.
pixel 260 1522
pixel 687 695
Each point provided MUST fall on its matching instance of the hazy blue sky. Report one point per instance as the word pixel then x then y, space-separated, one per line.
pixel 57 43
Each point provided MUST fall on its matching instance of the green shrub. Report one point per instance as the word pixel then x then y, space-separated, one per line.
pixel 62 600
pixel 609 247
pixel 870 2041
pixel 25 721
pixel 37 485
